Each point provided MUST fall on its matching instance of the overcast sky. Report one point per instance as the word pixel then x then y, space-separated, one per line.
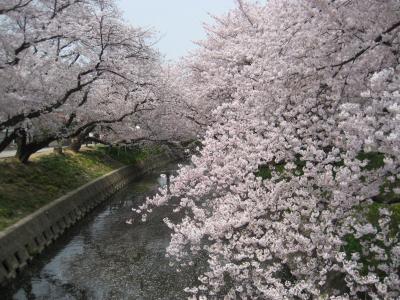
pixel 178 22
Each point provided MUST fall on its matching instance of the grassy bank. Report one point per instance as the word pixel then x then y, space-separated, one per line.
pixel 25 188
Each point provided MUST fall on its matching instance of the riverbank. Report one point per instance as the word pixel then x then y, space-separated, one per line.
pixel 106 257
pixel 26 188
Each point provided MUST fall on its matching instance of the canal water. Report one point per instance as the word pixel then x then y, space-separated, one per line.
pixel 103 257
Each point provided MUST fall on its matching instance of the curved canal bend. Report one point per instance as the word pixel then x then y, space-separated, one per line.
pixel 103 257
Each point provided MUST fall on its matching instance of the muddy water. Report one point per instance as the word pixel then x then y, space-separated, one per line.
pixel 105 258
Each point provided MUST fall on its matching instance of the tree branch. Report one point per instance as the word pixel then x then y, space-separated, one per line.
pixel 15 7
pixel 47 109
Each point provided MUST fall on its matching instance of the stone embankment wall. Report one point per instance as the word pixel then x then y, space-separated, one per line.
pixel 22 241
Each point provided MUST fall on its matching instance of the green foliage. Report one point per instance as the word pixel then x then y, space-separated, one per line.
pixel 375 159
pixel 386 199
pixel 130 156
pixel 373 213
pixel 300 164
pixel 353 244
pixel 395 208
pixel 387 195
pixel 25 188
pixel 266 171
pixel 373 216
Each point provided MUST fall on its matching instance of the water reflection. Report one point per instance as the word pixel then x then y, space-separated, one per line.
pixel 105 258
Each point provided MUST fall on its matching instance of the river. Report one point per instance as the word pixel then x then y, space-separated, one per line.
pixel 103 257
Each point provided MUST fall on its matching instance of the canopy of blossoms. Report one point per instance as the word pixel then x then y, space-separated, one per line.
pixel 295 192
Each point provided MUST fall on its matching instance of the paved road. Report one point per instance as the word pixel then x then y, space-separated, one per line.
pixel 11 153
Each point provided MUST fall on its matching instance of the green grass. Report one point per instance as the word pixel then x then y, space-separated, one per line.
pixel 25 188
pixel 129 157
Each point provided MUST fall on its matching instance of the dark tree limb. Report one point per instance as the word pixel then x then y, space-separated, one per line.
pixel 377 40
pixel 47 109
pixel 19 5
pixel 7 140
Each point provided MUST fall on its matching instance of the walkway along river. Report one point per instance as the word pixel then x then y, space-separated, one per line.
pixel 103 257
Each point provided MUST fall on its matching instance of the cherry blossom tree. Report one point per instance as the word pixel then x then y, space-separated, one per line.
pixel 40 66
pixel 172 118
pixel 295 192
pixel 67 67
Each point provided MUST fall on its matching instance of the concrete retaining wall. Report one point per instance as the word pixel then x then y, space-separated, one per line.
pixel 22 241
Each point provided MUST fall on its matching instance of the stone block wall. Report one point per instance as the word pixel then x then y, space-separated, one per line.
pixel 22 241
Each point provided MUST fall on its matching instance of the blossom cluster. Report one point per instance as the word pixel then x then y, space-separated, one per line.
pixel 303 147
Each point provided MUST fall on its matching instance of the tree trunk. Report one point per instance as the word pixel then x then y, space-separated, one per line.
pixel 23 154
pixel 58 150
pixel 76 143
pixel 25 150
pixel 7 140
pixel 79 138
pixel 21 146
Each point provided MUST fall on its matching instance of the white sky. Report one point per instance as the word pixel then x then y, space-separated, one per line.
pixel 178 22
